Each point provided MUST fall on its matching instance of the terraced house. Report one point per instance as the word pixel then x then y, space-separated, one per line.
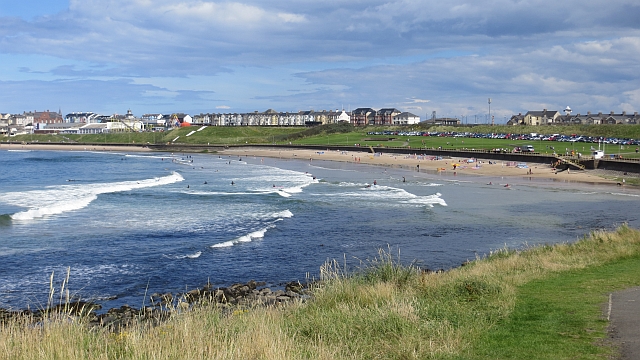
pixel 547 117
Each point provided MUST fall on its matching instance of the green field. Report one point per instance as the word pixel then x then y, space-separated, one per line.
pixel 347 135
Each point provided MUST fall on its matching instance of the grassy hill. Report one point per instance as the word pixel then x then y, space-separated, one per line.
pixel 347 135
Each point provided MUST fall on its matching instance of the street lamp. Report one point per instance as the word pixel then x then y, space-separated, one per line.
pixel 489 108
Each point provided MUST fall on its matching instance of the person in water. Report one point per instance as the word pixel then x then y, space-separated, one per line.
pixel 403 179
pixel 232 183
pixel 375 182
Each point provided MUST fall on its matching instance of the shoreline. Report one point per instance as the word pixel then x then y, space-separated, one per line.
pixel 416 162
pixel 432 164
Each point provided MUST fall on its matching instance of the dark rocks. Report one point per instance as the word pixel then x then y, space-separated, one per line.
pixel 245 294
pixel 162 306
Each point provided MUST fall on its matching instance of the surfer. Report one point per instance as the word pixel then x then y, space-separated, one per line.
pixel 205 183
pixel 375 182
pixel 232 183
pixel 403 179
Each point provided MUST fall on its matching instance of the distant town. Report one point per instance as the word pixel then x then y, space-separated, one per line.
pixel 47 122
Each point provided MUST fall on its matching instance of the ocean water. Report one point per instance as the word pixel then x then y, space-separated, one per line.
pixel 130 224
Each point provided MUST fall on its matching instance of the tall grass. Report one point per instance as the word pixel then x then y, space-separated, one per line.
pixel 383 310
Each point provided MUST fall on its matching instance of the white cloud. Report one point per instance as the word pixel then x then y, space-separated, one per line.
pixel 418 101
pixel 298 53
pixel 224 107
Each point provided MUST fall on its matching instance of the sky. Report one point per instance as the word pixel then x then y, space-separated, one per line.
pixel 197 56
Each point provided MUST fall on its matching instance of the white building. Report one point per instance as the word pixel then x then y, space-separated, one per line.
pixel 406 118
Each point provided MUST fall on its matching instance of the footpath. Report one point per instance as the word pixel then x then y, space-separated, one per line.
pixel 624 328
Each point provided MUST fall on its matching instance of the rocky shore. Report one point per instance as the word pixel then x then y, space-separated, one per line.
pixel 237 297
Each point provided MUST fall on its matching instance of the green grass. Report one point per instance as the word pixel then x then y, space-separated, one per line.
pixel 559 317
pixel 541 303
pixel 347 135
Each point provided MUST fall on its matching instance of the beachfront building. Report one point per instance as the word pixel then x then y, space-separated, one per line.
pixel 442 121
pixel 516 119
pixel 544 117
pixel 406 118
pixel 363 116
pixel 155 121
pixel 385 116
pixel 341 116
pixel 81 117
pixel 93 129
pixel 4 124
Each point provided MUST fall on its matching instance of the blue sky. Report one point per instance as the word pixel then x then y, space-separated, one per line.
pixel 193 56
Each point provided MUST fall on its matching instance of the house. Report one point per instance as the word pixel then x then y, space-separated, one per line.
pixel 544 117
pixel 363 116
pixel 81 117
pixel 600 119
pixel 516 119
pixel 334 117
pixel 385 116
pixel 406 118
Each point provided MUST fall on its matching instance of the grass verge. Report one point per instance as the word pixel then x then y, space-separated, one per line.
pixel 543 302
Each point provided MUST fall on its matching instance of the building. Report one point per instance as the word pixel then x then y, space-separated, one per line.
pixel 81 117
pixel 43 117
pixel 363 116
pixel 406 118
pixel 385 116
pixel 443 121
pixel 544 117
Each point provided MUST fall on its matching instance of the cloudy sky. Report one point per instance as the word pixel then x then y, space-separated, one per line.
pixel 193 56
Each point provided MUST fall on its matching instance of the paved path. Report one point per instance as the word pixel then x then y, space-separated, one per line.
pixel 624 314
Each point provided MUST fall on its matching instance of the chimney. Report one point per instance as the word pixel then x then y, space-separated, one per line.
pixel 612 112
pixel 588 113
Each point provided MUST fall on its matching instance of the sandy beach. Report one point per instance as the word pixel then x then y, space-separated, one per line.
pixel 464 166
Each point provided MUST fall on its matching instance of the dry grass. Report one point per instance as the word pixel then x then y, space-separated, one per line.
pixel 383 311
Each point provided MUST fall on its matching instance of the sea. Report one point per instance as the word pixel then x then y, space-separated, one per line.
pixel 127 225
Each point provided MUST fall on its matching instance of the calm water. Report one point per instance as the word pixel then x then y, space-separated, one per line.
pixel 129 223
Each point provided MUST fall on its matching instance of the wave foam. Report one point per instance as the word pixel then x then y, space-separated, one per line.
pixel 64 198
pixel 188 256
pixel 258 234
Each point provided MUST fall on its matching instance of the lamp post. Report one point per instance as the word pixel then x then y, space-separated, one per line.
pixel 489 108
